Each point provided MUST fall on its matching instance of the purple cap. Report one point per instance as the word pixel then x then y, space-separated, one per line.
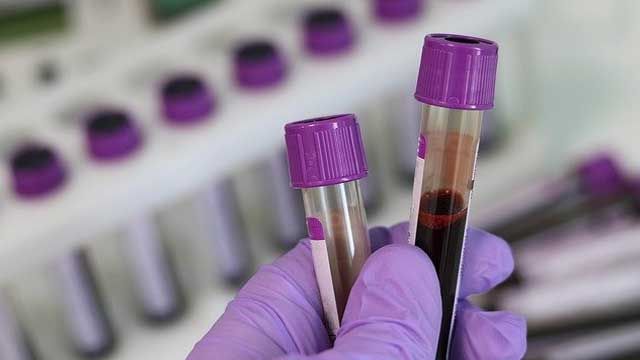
pixel 325 151
pixel 457 72
pixel 186 99
pixel 36 171
pixel 601 176
pixel 397 10
pixel 258 64
pixel 111 134
pixel 327 31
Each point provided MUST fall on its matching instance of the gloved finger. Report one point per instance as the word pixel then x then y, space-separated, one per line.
pixel 488 261
pixel 379 236
pixel 277 312
pixel 393 311
pixel 400 233
pixel 491 335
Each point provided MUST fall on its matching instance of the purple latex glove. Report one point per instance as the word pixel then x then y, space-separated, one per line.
pixel 393 311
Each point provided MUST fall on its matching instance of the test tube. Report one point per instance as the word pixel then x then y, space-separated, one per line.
pixel 595 183
pixel 586 302
pixel 260 66
pixel 583 247
pixel 14 344
pixel 187 100
pixel 112 136
pixel 456 83
pixel 327 160
pixel 329 33
pixel 609 342
pixel 37 171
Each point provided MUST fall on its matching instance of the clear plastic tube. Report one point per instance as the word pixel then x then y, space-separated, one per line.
pixel 340 243
pixel 327 160
pixel 456 84
pixel 88 324
pixel 441 194
pixel 13 343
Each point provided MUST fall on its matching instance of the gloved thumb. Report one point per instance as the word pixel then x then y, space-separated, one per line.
pixel 394 309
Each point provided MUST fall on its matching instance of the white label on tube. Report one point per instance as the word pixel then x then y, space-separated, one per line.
pixel 150 266
pixel 88 331
pixel 417 189
pixel 322 268
pixel 325 284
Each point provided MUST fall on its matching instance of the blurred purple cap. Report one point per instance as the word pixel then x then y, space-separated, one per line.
pixel 111 134
pixel 397 10
pixel 600 175
pixel 258 64
pixel 186 99
pixel 457 72
pixel 325 151
pixel 36 171
pixel 327 31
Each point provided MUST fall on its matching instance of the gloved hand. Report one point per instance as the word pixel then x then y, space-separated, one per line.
pixel 393 311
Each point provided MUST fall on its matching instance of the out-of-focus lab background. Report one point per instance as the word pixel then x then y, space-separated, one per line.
pixel 143 175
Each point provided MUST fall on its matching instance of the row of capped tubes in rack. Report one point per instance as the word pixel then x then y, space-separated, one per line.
pixel 113 135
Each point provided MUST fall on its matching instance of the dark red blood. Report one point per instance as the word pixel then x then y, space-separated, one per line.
pixel 441 227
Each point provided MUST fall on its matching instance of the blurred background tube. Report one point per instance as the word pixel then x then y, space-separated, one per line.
pixel 112 136
pixel 89 326
pixel 592 247
pixel 14 344
pixel 585 302
pixel 594 184
pixel 608 343
pixel 38 172
pixel 187 100
pixel 328 35
pixel 259 66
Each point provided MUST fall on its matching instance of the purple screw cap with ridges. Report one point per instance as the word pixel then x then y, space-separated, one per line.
pixel 111 134
pixel 397 10
pixel 258 64
pixel 457 72
pixel 600 175
pixel 36 171
pixel 325 151
pixel 186 99
pixel 327 31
